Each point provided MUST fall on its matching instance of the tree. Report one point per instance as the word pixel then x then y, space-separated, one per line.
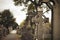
pixel 34 5
pixel 8 20
pixel 22 24
pixel 0 18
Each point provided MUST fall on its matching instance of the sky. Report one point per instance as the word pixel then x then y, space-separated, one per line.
pixel 15 10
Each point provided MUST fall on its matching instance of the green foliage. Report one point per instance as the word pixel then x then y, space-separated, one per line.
pixel 31 7
pixel 19 2
pixel 7 19
pixel 22 24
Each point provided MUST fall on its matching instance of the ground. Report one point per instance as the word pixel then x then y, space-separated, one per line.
pixel 12 36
